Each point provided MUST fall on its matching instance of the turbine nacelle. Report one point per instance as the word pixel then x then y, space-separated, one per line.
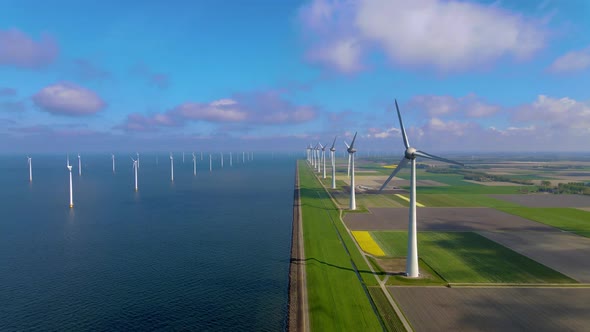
pixel 410 153
pixel 69 167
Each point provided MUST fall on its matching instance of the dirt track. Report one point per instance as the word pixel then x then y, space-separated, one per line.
pixel 442 219
pixel 495 309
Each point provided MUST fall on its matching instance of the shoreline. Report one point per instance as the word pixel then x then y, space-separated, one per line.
pixel 297 310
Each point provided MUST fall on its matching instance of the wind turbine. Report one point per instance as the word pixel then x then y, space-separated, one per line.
pixel 410 154
pixel 113 157
pixel 30 162
pixel 201 155
pixel 79 165
pixel 171 167
pixel 194 164
pixel 70 169
pixel 351 150
pixel 347 167
pixel 183 157
pixel 319 155
pixel 137 153
pixel 210 163
pixel 221 153
pixel 324 158
pixel 135 167
pixel 333 159
pixel 243 157
pixel 230 160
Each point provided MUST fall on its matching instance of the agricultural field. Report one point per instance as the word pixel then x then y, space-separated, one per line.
pixel 547 200
pixel 494 309
pixel 567 219
pixel 465 257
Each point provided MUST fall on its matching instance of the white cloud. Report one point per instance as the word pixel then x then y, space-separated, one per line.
pixel 571 62
pixel 446 35
pixel 470 105
pixel 68 99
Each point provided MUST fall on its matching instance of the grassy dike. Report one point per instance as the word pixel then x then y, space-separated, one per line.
pixel 337 300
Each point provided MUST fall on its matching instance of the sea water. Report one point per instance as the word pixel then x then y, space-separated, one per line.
pixel 205 252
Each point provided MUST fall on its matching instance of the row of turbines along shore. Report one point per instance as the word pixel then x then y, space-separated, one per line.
pixel 316 158
pixel 245 157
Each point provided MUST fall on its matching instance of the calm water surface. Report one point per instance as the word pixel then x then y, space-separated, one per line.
pixel 209 252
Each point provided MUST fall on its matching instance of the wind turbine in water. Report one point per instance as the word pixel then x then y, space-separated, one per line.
pixel 333 159
pixel 135 167
pixel 171 167
pixel 113 157
pixel 230 160
pixel 71 192
pixel 194 164
pixel 410 154
pixel 137 153
pixel 221 154
pixel 351 150
pixel 30 162
pixel 210 164
pixel 79 165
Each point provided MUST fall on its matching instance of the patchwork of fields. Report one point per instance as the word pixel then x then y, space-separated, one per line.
pixel 470 234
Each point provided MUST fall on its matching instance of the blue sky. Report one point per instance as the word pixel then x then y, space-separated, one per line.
pixel 201 75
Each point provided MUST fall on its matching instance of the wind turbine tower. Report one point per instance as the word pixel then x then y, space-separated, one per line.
pixel 113 157
pixel 230 160
pixel 71 192
pixel 210 164
pixel 194 164
pixel 351 150
pixel 333 159
pixel 79 165
pixel 410 154
pixel 324 159
pixel 30 162
pixel 171 167
pixel 137 153
pixel 135 167
pixel 221 154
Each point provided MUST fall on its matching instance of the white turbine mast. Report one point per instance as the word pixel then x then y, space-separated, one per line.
pixel 333 160
pixel 135 167
pixel 231 162
pixel 194 164
pixel 221 154
pixel 410 154
pixel 71 191
pixel 30 163
pixel 171 167
pixel 79 165
pixel 113 157
pixel 210 163
pixel 324 159
pixel 137 153
pixel 351 150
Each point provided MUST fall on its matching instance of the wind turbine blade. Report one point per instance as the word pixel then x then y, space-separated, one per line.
pixel 353 139
pixel 401 164
pixel 333 143
pixel 347 146
pixel 401 124
pixel 433 157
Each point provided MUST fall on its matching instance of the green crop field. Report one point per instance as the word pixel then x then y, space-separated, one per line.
pixel 465 257
pixel 474 189
pixel 568 219
pixel 337 300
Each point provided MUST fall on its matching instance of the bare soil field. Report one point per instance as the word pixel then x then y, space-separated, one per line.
pixel 564 252
pixel 547 200
pixel 495 309
pixel 377 182
pixel 443 219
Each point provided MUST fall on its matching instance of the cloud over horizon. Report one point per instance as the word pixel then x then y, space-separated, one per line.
pixel 418 33
pixel 68 99
pixel 19 50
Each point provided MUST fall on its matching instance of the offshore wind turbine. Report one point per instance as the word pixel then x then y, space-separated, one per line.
pixel 351 150
pixel 410 154
pixel 113 157
pixel 71 192
pixel 210 163
pixel 79 165
pixel 171 167
pixel 194 164
pixel 221 154
pixel 201 155
pixel 137 153
pixel 135 167
pixel 333 159
pixel 30 162
pixel 230 160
